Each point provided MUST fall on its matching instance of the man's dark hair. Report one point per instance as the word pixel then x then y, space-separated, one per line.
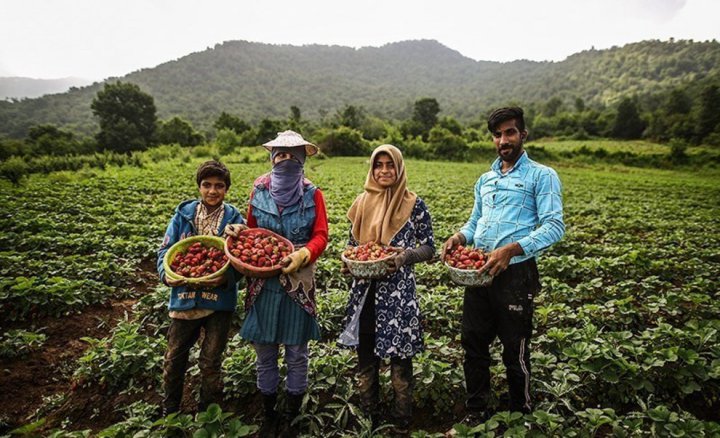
pixel 502 115
pixel 212 168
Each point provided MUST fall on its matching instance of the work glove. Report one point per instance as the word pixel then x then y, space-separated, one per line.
pixel 452 242
pixel 295 260
pixel 232 230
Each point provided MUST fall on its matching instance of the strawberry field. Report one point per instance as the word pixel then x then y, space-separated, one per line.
pixel 626 336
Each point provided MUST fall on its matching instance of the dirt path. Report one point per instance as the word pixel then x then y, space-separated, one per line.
pixel 46 372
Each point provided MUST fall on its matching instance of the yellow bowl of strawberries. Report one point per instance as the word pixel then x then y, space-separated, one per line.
pixel 196 259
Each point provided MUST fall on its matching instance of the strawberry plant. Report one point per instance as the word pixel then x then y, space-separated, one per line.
pixel 626 325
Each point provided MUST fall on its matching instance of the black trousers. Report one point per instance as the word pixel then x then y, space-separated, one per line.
pixel 401 371
pixel 182 335
pixel 504 309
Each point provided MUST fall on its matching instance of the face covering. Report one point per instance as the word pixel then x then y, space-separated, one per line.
pixel 286 182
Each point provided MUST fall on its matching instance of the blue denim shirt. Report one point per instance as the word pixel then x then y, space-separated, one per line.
pixel 523 205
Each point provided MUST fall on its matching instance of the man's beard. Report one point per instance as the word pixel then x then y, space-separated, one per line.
pixel 515 151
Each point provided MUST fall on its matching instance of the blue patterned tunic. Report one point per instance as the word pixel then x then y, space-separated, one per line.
pixel 398 322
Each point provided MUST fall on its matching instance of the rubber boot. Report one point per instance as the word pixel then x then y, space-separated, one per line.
pixel 270 420
pixel 293 402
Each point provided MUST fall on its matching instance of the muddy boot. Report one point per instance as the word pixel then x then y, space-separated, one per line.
pixel 401 376
pixel 293 402
pixel 270 419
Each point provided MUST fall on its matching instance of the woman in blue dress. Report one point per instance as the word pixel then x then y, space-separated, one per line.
pixel 383 319
pixel 281 310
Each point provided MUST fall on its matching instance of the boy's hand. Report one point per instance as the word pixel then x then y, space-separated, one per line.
pixel 344 269
pixel 295 260
pixel 213 283
pixel 174 283
pixel 232 230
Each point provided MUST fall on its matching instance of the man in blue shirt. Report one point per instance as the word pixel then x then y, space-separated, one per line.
pixel 517 214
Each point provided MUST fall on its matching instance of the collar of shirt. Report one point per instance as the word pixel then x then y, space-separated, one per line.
pixel 497 164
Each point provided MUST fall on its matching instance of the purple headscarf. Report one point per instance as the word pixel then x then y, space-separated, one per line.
pixel 286 178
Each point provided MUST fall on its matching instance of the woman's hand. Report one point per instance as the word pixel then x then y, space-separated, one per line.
pixel 395 263
pixel 295 261
pixel 232 230
pixel 344 269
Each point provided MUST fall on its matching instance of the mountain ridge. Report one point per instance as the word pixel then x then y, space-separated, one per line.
pixel 259 80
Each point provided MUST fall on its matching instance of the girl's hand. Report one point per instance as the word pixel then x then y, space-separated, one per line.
pixel 395 263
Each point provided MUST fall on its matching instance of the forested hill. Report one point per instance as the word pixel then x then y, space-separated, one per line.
pixel 255 81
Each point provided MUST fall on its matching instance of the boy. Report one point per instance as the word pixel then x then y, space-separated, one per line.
pixel 208 306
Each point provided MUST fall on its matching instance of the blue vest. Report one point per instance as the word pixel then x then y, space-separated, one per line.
pixel 295 223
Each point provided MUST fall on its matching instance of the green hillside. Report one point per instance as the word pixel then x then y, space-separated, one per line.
pixel 257 81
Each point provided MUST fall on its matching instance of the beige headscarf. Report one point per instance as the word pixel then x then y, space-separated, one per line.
pixel 378 213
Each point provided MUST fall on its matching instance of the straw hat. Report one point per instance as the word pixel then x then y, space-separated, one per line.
pixel 288 139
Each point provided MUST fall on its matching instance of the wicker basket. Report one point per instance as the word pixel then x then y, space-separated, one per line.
pixel 469 277
pixel 369 269
pixel 249 270
pixel 181 246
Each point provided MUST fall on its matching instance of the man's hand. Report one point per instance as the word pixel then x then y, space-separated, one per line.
pixel 452 242
pixel 232 230
pixel 395 263
pixel 295 260
pixel 499 259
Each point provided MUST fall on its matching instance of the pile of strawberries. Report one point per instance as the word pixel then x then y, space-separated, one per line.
pixel 462 257
pixel 198 260
pixel 369 252
pixel 259 250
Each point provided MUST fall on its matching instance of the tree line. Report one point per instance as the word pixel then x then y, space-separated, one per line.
pixel 127 121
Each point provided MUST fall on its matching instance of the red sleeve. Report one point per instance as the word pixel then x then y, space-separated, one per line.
pixel 251 221
pixel 319 237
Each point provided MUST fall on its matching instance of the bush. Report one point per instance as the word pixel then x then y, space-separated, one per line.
pixel 414 147
pixel 227 140
pixel 13 170
pixel 177 130
pixel 344 141
pixel 201 151
pixel 445 145
pixel 678 150
pixel 164 152
pixel 374 128
pixel 10 147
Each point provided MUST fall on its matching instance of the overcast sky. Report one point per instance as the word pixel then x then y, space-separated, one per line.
pixel 96 39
